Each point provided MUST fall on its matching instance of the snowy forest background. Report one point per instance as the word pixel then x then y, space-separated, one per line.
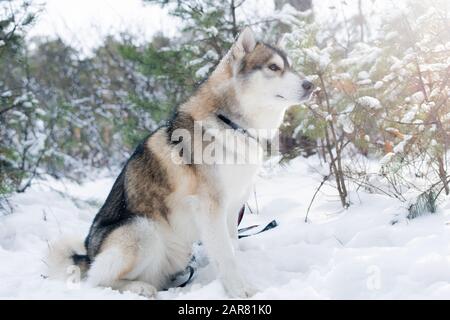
pixel 379 122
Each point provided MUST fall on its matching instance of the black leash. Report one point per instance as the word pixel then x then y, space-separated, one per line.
pixel 242 232
pixel 182 278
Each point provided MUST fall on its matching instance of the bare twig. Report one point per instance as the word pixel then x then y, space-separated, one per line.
pixel 256 199
pixel 325 179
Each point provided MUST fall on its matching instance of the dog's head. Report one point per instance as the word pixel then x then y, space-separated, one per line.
pixel 262 74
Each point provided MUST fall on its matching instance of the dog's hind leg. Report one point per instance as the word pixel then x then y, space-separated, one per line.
pixel 123 258
pixel 111 266
pixel 139 287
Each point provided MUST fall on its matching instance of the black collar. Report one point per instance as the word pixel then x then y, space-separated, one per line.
pixel 266 144
pixel 235 126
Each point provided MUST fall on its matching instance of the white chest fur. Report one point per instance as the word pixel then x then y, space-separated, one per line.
pixel 242 159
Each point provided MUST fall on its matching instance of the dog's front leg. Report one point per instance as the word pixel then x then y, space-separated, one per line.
pixel 232 224
pixel 217 241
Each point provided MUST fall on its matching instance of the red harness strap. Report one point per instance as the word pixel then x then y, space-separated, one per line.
pixel 241 214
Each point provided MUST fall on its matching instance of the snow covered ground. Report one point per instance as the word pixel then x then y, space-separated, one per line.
pixel 339 254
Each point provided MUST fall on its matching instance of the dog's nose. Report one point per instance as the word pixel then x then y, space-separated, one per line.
pixel 307 85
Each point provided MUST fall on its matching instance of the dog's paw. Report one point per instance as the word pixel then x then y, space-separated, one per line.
pixel 141 288
pixel 238 288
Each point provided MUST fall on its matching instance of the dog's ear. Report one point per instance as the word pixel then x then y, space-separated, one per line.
pixel 244 44
pixel 281 43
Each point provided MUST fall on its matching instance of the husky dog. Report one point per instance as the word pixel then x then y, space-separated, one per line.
pixel 159 207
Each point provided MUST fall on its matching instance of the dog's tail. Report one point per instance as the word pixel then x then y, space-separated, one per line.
pixel 67 257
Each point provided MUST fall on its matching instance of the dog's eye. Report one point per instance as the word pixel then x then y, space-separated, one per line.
pixel 274 67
